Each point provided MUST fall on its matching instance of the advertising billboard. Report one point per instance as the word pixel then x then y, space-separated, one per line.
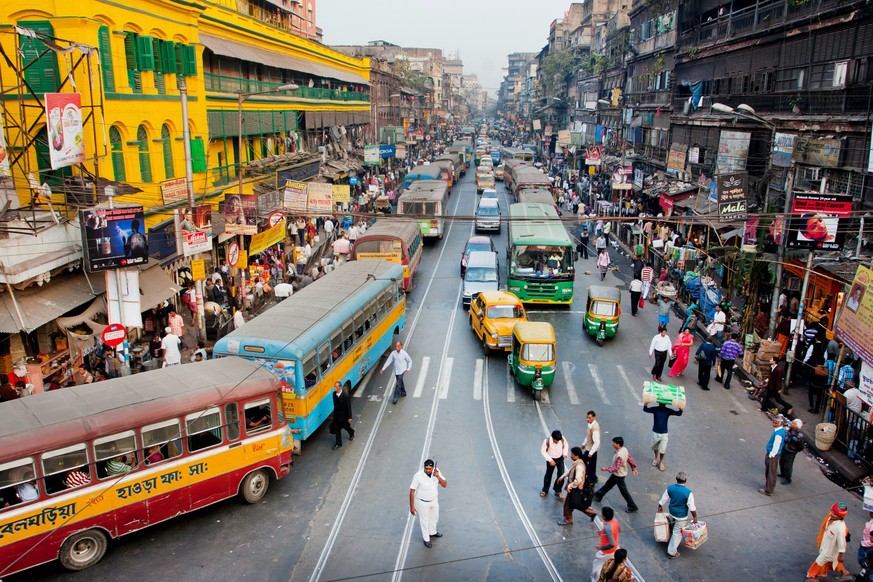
pixel 815 221
pixel 240 214
pixel 113 238
pixel 733 151
pixel 196 227
pixel 731 192
pixel 64 125
pixel 855 324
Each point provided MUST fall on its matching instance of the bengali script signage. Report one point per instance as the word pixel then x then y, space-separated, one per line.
pixel 295 200
pixel 265 239
pixel 319 195
pixel 824 153
pixel 240 214
pixel 676 158
pixel 855 325
pixel 340 193
pixel 731 191
pixel 371 155
pixel 175 190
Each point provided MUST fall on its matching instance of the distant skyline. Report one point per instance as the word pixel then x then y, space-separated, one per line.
pixel 480 33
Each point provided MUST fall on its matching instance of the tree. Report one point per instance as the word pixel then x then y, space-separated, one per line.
pixel 554 71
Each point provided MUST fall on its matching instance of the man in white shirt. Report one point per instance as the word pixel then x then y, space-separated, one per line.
pixel 554 450
pixel 170 344
pixel 853 398
pixel 592 445
pixel 402 364
pixel 328 227
pixel 353 233
pixel 424 500
pixel 718 321
pixel 660 348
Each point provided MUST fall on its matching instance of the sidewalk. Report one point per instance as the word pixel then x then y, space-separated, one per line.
pixel 849 473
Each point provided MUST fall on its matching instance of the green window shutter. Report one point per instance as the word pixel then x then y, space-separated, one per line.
pixel 169 170
pixel 145 53
pixel 198 155
pixel 105 47
pixel 157 55
pixel 134 77
pixel 117 154
pixel 168 57
pixel 180 66
pixel 39 62
pixel 145 163
pixel 189 61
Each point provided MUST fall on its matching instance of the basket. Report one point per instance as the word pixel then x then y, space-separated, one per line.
pixel 825 433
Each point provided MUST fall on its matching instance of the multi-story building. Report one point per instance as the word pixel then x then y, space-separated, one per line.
pixel 518 65
pixel 130 65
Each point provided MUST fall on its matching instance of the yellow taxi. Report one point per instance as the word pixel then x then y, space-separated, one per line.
pixel 484 180
pixel 493 314
pixel 499 172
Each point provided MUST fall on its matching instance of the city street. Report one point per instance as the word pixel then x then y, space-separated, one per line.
pixel 343 514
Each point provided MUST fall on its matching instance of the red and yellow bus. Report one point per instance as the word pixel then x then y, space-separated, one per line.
pixel 393 239
pixel 84 464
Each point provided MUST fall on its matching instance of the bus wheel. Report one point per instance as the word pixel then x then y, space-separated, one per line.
pixel 255 486
pixel 83 550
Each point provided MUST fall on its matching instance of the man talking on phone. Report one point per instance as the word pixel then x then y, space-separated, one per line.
pixel 424 502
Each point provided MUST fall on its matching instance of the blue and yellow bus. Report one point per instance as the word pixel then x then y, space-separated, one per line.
pixel 333 330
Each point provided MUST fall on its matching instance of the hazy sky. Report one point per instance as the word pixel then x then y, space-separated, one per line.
pixel 481 32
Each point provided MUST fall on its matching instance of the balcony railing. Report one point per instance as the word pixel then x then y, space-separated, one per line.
pixel 228 84
pixel 833 102
pixel 762 16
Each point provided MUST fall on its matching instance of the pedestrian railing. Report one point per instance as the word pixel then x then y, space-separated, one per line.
pixel 852 431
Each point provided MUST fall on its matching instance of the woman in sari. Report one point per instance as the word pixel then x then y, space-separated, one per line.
pixel 681 347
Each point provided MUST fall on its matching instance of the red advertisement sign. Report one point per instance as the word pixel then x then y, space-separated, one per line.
pixel 815 221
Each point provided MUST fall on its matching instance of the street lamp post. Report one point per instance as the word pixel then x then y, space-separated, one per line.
pixel 242 96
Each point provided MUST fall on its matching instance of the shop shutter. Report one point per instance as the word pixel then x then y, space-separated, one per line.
pixel 40 63
pixel 145 53
pixel 198 155
pixel 104 45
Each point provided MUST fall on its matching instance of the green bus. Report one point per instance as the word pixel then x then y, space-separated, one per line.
pixel 540 253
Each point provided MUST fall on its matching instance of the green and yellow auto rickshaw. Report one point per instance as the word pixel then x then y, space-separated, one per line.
pixel 602 311
pixel 533 356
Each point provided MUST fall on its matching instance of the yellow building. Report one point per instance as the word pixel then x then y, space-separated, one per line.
pixel 131 99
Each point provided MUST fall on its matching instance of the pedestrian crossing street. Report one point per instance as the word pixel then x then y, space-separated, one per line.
pixel 580 384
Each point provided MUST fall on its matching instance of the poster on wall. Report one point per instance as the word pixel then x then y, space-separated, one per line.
pixel 733 150
pixel 294 200
pixel 4 155
pixel 319 195
pixel 240 214
pixel 64 125
pixel 196 227
pixel 855 324
pixel 815 221
pixel 731 192
pixel 113 238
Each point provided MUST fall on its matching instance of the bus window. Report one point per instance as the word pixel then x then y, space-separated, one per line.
pixel 17 482
pixel 336 343
pixel 389 298
pixel 111 450
pixel 56 464
pixel 258 416
pixel 231 415
pixel 360 318
pixel 165 436
pixel 203 429
pixel 373 311
pixel 324 358
pixel 348 337
pixel 310 373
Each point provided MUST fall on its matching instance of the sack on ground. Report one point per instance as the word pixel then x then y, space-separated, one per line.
pixel 694 535
pixel 662 527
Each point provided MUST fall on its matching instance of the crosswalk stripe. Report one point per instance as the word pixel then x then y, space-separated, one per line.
pixel 630 386
pixel 569 368
pixel 598 383
pixel 422 376
pixel 510 386
pixel 477 379
pixel 446 378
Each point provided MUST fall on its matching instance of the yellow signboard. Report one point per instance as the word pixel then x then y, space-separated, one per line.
pixel 341 193
pixel 243 260
pixel 198 269
pixel 855 324
pixel 264 240
pixel 393 257
pixel 320 195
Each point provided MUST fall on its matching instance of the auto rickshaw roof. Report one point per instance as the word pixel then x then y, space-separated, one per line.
pixel 534 331
pixel 604 292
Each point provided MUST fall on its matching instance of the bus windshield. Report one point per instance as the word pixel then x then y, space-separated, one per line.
pixel 541 261
pixel 415 208
pixel 378 246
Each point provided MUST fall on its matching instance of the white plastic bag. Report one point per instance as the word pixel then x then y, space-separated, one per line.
pixel 662 527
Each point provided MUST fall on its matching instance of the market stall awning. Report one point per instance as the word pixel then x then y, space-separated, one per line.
pixel 39 305
pixel 155 287
pixel 238 50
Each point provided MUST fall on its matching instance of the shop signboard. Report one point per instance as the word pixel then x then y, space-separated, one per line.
pixel 815 221
pixel 548 130
pixel 866 383
pixel 733 150
pixel 340 193
pixel 198 269
pixel 731 190
pixel 638 178
pixel 196 227
pixel 174 191
pixel 750 234
pixel 113 238
pixel 4 154
pixel 240 214
pixel 855 324
pixel 66 139
pixel 824 153
pixel 371 155
pixel 537 125
pixel 399 151
pixel 621 178
pixel 593 155
pixel 386 150
pixel 295 200
pixel 267 238
pixel 299 172
pixel 563 137
pixel 783 149
pixel 676 158
pixel 666 202
pixel 694 155
pixel 319 196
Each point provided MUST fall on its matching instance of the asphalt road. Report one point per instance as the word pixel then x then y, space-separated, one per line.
pixel 343 515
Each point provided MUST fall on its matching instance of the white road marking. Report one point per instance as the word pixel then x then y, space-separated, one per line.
pixel 598 383
pixel 359 391
pixel 422 376
pixel 477 379
pixel 569 368
pixel 510 386
pixel 630 386
pixel 446 377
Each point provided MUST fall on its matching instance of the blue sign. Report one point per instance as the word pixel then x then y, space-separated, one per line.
pixel 387 150
pixel 353 180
